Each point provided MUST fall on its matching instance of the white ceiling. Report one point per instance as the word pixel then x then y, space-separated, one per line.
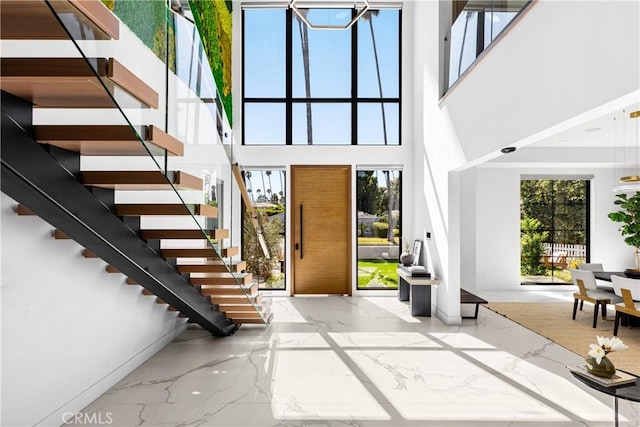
pixel 599 141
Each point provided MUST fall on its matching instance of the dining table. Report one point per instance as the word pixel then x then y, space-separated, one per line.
pixel 606 275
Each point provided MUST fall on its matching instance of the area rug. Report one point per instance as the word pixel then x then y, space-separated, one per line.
pixel 553 321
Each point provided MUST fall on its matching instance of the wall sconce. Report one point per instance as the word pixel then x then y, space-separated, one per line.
pixel 294 5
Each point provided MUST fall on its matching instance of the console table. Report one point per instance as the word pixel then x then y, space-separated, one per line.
pixel 627 391
pixel 416 290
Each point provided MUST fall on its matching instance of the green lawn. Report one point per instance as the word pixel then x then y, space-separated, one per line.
pixel 374 241
pixel 377 273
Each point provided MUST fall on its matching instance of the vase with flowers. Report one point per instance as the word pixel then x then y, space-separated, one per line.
pixel 597 361
pixel 407 257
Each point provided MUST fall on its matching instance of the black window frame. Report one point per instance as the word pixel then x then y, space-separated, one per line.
pixel 289 100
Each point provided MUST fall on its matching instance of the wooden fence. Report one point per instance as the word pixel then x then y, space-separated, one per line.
pixel 571 251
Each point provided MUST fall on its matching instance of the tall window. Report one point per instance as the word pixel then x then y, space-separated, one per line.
pixel 378 206
pixel 263 249
pixel 318 87
pixel 554 216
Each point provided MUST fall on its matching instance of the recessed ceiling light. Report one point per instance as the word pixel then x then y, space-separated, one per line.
pixel 507 150
pixel 595 129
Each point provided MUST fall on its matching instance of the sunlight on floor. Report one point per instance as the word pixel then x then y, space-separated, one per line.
pixel 382 339
pixel 441 385
pixel 285 312
pixel 317 384
pixel 557 390
pixel 393 306
pixel 460 340
pixel 314 376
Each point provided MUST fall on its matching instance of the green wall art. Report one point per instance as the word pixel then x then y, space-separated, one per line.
pixel 148 20
pixel 214 20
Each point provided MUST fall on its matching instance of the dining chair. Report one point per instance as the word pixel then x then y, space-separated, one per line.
pixel 627 308
pixel 621 282
pixel 586 283
pixel 593 266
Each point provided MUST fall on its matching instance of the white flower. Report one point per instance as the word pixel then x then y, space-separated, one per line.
pixel 616 344
pixel 611 344
pixel 596 352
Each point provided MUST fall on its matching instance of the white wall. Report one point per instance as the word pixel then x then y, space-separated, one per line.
pixel 497 224
pixel 563 59
pixel 70 330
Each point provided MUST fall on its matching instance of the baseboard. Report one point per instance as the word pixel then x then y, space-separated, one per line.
pixel 74 408
pixel 446 319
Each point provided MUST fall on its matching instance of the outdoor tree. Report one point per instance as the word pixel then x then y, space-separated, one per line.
pixel 272 229
pixel 531 246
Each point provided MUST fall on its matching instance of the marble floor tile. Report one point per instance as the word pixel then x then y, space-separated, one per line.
pixel 363 361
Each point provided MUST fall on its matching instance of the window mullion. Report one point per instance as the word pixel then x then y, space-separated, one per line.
pixel 354 80
pixel 289 79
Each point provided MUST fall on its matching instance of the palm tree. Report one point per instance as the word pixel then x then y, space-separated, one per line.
pixel 304 42
pixel 368 16
pixel 270 186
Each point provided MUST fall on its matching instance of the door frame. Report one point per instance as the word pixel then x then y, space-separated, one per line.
pixel 292 234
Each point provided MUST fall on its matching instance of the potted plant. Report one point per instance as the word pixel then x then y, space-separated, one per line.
pixel 629 216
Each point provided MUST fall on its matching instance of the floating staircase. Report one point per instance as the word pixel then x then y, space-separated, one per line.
pixel 219 281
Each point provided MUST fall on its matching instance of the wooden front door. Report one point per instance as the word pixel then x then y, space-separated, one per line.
pixel 321 219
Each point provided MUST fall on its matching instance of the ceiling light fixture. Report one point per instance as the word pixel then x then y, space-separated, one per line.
pixel 631 182
pixel 594 129
pixel 298 10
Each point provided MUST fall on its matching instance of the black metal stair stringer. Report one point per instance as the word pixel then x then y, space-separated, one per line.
pixel 34 178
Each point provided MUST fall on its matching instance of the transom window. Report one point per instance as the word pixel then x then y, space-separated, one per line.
pixel 303 86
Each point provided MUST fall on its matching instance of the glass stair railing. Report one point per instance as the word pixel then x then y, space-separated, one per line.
pixel 144 138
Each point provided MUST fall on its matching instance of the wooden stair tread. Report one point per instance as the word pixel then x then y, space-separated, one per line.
pixel 165 209
pixel 141 180
pixel 33 20
pixel 243 314
pixel 23 210
pixel 194 253
pixel 109 140
pixel 235 299
pixel 88 254
pixel 250 289
pixel 57 234
pixel 72 83
pixel 251 320
pixel 215 266
pixel 222 279
pixel 214 234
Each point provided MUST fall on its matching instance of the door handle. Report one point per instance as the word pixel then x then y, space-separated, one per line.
pixel 300 232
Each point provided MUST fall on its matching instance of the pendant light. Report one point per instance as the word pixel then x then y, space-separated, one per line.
pixel 296 7
pixel 631 182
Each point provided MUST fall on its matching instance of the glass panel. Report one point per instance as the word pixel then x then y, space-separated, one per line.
pixel 321 59
pixel 379 123
pixel 463 44
pixel 494 23
pixel 264 53
pixel 266 189
pixel 264 123
pixel 378 54
pixel 322 123
pixel 466 35
pixel 378 225
pixel 172 108
pixel 554 229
